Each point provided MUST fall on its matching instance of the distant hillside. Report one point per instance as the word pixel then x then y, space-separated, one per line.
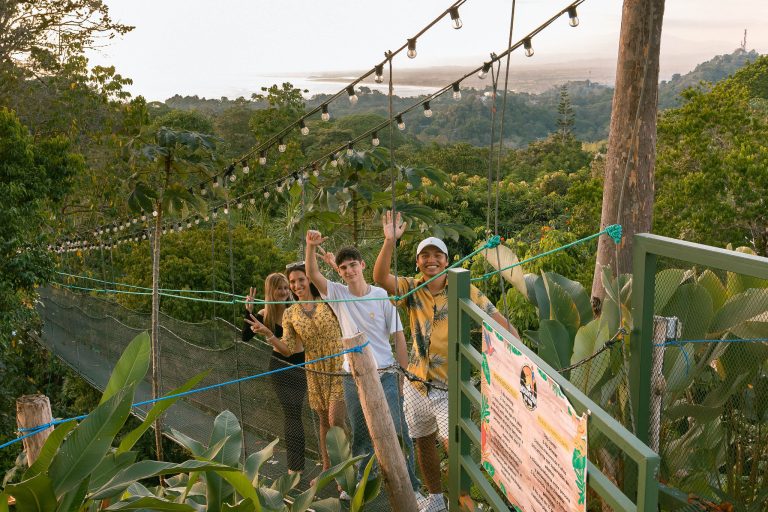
pixel 529 116
pixel 712 70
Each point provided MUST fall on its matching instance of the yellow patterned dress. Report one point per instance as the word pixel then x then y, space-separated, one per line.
pixel 320 334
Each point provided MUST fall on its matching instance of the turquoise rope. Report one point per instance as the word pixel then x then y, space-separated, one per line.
pixel 614 231
pixel 39 428
pixel 679 344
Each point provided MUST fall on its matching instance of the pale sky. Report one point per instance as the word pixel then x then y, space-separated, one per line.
pixel 226 48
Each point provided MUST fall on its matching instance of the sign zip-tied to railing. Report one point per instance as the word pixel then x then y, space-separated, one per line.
pixel 533 444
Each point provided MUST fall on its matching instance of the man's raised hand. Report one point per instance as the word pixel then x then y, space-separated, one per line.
pixel 393 231
pixel 315 238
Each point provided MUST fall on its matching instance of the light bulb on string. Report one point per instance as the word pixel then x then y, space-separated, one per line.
pixel 246 169
pixel 252 200
pixel 232 177
pixel 350 149
pixel 262 157
pixel 303 127
pixel 325 116
pixel 378 74
pixel 215 182
pixel 135 220
pixel 266 194
pixel 239 205
pixel 456 91
pixel 226 210
pixel 573 17
pixel 281 147
pixel 207 218
pixel 484 71
pixel 375 139
pixel 427 110
pixel 203 190
pixel 455 20
pixel 197 220
pixel 528 47
pixel 215 213
pixel 352 96
pixel 400 122
pixel 334 160
pixel 189 223
pixel 412 48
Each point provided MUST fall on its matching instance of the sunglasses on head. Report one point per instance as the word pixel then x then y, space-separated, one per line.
pixel 298 265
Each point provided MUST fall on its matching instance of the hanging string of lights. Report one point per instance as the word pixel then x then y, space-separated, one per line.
pixel 76 242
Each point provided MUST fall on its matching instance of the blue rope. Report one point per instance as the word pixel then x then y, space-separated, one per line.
pixel 30 431
pixel 679 344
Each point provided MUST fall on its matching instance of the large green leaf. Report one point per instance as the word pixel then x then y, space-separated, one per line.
pixel 285 482
pixel 304 500
pixel 697 411
pixel 561 307
pixel 195 447
pixel 556 344
pixel 578 295
pixel 242 506
pixel 150 503
pixel 159 408
pixel 678 366
pixel 692 304
pixel 34 495
pixel 226 426
pixel 131 367
pixel 49 449
pixel 72 501
pixel 339 451
pixel 255 460
pixel 239 481
pixel 667 282
pixel 150 468
pixel 740 308
pixel 110 465
pixel 142 197
pixel 358 499
pixel 589 339
pixel 742 358
pixel 714 286
pixel 84 449
pixel 326 505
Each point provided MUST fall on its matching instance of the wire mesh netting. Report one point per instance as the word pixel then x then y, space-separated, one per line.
pixel 90 334
pixel 709 403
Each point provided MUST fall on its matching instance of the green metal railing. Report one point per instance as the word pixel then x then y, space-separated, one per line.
pixel 465 473
pixel 652 254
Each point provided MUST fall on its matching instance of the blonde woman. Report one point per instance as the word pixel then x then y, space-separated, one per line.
pixel 290 386
pixel 311 326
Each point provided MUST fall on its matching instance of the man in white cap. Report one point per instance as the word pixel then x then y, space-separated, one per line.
pixel 426 405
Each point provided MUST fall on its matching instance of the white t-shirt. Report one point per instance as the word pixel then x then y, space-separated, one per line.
pixel 376 318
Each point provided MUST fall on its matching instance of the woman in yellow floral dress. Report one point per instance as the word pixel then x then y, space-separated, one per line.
pixel 313 328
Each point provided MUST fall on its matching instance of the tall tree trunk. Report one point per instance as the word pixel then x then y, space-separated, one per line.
pixel 628 191
pixel 156 324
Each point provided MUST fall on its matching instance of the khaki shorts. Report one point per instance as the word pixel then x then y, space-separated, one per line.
pixel 425 414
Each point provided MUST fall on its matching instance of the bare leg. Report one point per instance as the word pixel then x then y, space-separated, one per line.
pixel 322 415
pixel 337 414
pixel 429 462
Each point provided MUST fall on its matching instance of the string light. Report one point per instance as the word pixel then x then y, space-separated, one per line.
pixel 246 169
pixel 455 20
pixel 334 160
pixel 281 145
pixel 154 213
pixel 456 91
pixel 215 182
pixel 375 139
pixel 378 75
pixel 412 48
pixel 262 157
pixel 427 110
pixel 252 200
pixel 239 205
pixel 203 190
pixel 573 17
pixel 350 149
pixel 352 96
pixel 484 72
pixel 303 127
pixel 528 47
pixel 215 212
pixel 226 210
pixel 325 116
pixel 197 220
pixel 266 194
pixel 400 122
pixel 189 223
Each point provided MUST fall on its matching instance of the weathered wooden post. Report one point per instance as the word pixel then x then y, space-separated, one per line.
pixel 379 420
pixel 31 411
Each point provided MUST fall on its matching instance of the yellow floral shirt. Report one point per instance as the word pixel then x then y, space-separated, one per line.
pixel 428 315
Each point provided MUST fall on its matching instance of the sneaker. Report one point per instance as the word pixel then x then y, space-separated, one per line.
pixel 344 496
pixel 434 503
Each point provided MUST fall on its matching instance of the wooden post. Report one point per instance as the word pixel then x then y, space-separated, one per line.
pixel 31 411
pixel 379 420
pixel 664 329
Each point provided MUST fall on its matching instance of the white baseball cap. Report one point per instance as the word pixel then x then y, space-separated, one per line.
pixel 433 241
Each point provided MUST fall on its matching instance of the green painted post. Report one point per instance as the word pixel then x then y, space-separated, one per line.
pixel 640 341
pixel 458 371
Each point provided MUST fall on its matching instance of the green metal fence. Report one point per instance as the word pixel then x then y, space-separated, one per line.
pixel 699 371
pixel 466 476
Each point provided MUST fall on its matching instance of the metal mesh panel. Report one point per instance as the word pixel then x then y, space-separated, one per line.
pixel 90 334
pixel 709 402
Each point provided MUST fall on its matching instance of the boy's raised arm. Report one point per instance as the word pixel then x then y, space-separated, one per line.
pixel 392 232
pixel 314 239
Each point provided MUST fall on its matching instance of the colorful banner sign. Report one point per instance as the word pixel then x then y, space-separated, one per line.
pixel 534 445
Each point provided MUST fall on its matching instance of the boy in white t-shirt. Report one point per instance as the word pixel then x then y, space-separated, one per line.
pixel 378 319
